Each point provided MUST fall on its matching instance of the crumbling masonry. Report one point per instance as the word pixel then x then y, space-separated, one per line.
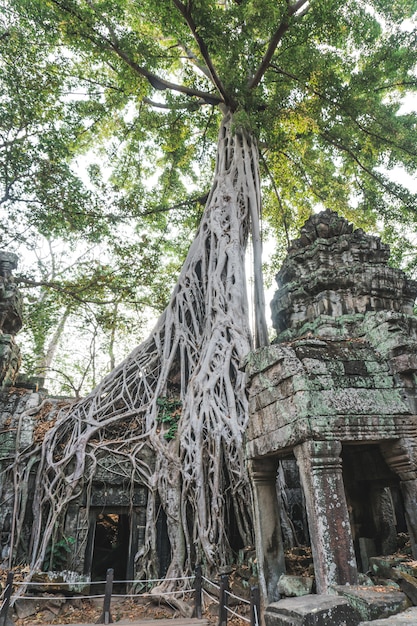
pixel 337 392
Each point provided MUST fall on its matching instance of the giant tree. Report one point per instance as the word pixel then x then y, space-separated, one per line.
pixel 304 98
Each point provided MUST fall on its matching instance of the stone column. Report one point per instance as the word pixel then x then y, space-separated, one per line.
pixel 401 457
pixel 384 518
pixel 320 468
pixel 268 537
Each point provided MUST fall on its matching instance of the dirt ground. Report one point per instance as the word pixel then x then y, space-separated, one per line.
pixel 89 611
pixel 54 608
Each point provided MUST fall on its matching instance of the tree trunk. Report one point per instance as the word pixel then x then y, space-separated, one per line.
pixel 193 355
pixel 44 364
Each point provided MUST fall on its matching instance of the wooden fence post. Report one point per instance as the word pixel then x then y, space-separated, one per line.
pixel 6 600
pixel 198 592
pixel 255 606
pixel 105 617
pixel 224 588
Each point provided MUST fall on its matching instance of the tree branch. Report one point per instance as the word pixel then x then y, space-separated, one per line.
pixel 405 83
pixel 278 196
pixel 113 44
pixel 73 292
pixel 334 142
pixel 193 58
pixel 344 110
pixel 186 13
pixel 160 83
pixel 175 107
pixel 292 10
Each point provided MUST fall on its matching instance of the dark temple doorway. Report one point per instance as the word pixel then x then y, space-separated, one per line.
pixel 109 546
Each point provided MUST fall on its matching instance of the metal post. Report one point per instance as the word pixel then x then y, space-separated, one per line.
pixel 224 588
pixel 198 592
pixel 6 601
pixel 105 617
pixel 255 606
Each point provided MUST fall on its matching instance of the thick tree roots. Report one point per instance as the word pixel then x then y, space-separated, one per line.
pixel 192 463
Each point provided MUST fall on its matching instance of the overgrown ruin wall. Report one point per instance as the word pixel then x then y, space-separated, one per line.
pixel 109 508
pixel 104 525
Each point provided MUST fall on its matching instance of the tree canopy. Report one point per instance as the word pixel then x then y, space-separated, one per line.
pixel 110 111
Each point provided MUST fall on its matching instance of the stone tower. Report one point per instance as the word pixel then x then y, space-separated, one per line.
pixel 337 392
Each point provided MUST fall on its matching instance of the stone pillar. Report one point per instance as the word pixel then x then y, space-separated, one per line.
pixel 10 297
pixel 268 537
pixel 402 459
pixel 320 468
pixel 384 519
pixel 10 320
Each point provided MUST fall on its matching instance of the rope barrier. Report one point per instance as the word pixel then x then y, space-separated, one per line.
pixel 229 610
pixel 80 583
pixel 48 598
pixel 210 582
pixel 210 596
pixel 114 595
pixel 146 595
pixel 222 601
pixel 232 595
pixel 100 582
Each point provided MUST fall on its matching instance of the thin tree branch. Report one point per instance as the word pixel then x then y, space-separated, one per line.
pixel 113 44
pixel 174 107
pixel 278 196
pixel 405 83
pixel 344 110
pixel 193 58
pixel 186 13
pixel 334 142
pixel 292 9
pixel 73 292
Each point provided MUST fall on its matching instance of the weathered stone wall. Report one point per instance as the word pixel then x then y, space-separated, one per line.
pixel 17 428
pixel 24 417
pixel 10 320
pixel 339 379
pixel 332 277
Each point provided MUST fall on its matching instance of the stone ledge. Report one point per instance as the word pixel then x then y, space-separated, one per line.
pixel 407 618
pixel 373 602
pixel 311 610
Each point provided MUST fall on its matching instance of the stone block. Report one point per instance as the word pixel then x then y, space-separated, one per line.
pixel 382 566
pixel 408 584
pixel 294 586
pixel 311 610
pixel 373 602
pixel 25 607
pixel 407 618
pixel 54 604
pixel 367 549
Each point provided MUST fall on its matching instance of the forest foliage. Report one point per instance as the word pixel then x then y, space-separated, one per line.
pixel 108 126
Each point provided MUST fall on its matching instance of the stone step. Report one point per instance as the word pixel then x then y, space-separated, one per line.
pixel 406 618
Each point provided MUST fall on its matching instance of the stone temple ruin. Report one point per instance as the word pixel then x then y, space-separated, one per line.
pixel 10 320
pixel 333 406
pixel 336 392
pixel 106 525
